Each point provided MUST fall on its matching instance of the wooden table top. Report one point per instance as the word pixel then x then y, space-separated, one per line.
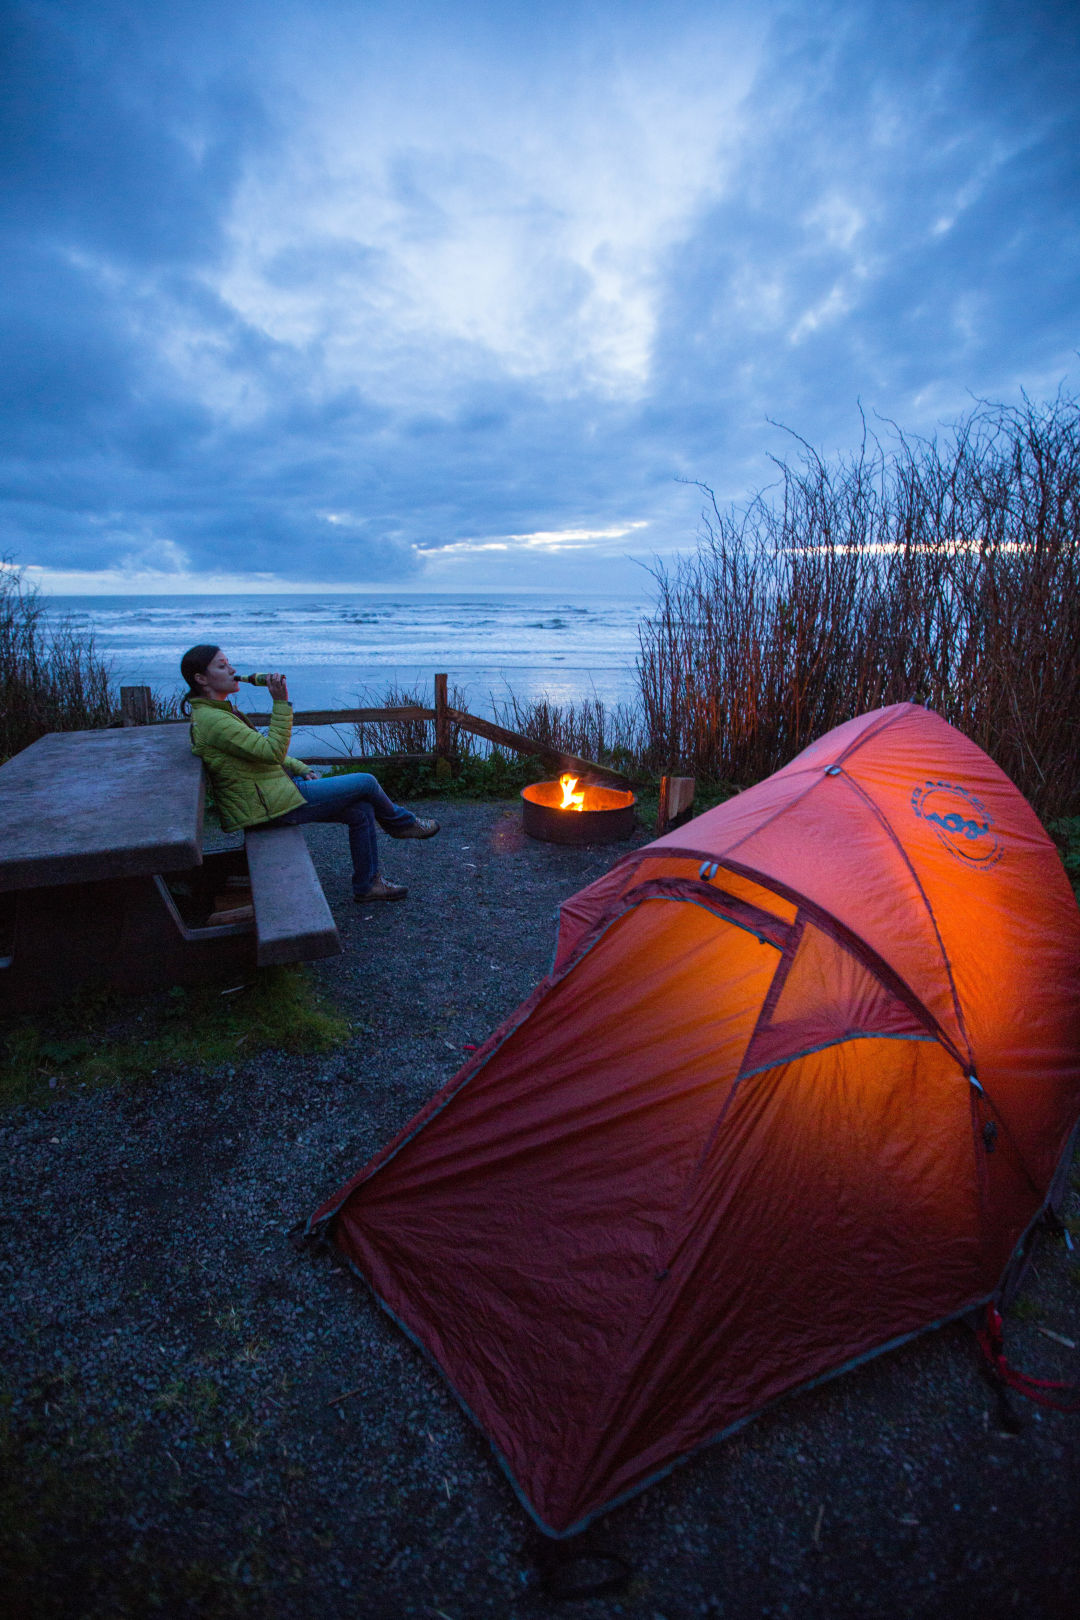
pixel 77 806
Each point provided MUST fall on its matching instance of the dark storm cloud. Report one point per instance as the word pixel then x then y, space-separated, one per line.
pixel 263 312
pixel 64 366
pixel 902 228
pixel 115 185
pixel 101 153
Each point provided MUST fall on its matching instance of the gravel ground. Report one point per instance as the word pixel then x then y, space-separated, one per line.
pixel 204 1418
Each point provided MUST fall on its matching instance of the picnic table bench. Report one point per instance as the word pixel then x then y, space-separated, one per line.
pixel 103 879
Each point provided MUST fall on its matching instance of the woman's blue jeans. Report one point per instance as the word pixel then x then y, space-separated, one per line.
pixel 359 802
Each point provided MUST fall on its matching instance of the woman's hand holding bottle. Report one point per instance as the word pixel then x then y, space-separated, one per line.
pixel 275 684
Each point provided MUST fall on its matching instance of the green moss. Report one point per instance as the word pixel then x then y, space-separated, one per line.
pixel 1026 1309
pixel 100 1039
pixel 1066 834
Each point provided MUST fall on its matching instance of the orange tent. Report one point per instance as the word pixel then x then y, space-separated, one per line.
pixel 799 1081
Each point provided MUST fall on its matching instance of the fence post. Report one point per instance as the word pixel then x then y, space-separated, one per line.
pixel 135 705
pixel 442 731
pixel 676 800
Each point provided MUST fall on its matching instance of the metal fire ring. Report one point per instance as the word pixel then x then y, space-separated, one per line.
pixel 606 816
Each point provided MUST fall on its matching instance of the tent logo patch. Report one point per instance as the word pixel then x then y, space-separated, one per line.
pixel 961 821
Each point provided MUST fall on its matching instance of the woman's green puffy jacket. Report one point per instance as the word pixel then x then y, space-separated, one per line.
pixel 248 772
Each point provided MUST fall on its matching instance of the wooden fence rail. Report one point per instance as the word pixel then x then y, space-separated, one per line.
pixel 135 707
pixel 529 745
pixel 346 717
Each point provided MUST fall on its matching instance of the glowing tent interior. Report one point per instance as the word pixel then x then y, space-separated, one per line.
pixel 800 1079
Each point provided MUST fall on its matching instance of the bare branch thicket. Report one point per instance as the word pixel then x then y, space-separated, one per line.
pixel 377 738
pixel 946 572
pixel 590 728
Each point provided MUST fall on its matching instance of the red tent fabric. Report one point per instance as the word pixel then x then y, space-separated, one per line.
pixel 798 1083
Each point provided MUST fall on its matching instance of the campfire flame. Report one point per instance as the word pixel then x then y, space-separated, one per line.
pixel 570 799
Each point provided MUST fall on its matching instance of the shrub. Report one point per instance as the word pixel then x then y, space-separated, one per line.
pixel 49 679
pixel 481 769
pixel 101 1037
pixel 378 739
pixel 945 572
pixel 610 736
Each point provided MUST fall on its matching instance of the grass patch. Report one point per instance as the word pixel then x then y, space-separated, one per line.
pixel 100 1039
pixel 496 776
pixel 65 1543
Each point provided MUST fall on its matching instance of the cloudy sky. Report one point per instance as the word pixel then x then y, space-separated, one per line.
pixel 459 295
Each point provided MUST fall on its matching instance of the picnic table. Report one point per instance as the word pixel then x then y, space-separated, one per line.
pixel 103 879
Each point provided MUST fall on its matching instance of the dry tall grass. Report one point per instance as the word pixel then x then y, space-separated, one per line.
pixel 610 734
pixel 589 728
pixel 49 679
pixel 942 571
pixel 379 738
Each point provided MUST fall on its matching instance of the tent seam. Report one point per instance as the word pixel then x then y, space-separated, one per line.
pixel 864 953
pixel 840 1040
pixel 858 788
pixel 740 1423
pixel 787 957
pixel 818 773
pixel 627 902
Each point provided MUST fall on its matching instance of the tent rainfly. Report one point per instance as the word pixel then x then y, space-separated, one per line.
pixel 801 1078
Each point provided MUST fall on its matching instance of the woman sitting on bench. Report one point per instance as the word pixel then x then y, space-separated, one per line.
pixel 256 783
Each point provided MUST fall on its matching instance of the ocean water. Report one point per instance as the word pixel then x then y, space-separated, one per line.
pixel 340 651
